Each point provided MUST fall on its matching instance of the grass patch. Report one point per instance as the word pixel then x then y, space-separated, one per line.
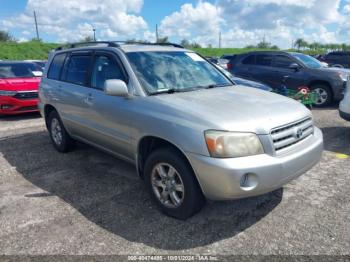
pixel 28 50
pixel 40 51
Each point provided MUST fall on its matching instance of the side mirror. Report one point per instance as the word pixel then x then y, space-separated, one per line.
pixel 116 87
pixel 294 66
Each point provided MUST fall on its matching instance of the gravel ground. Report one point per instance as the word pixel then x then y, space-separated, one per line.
pixel 87 202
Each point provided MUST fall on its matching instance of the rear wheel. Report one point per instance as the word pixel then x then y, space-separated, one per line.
pixel 58 134
pixel 324 95
pixel 172 184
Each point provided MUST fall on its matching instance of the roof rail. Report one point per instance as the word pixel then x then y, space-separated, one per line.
pixel 167 44
pixel 75 45
pixel 112 44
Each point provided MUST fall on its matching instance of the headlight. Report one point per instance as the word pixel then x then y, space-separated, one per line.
pixel 222 144
pixel 343 76
pixel 7 93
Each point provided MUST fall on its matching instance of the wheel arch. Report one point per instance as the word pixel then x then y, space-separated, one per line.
pixel 47 110
pixel 150 143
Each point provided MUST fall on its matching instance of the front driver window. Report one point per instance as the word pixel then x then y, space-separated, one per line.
pixel 105 68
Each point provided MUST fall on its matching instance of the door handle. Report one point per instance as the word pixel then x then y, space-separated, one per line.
pixel 88 99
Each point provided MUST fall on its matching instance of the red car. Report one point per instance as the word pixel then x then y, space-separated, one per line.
pixel 19 83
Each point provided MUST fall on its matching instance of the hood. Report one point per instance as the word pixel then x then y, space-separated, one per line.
pixel 235 108
pixel 335 70
pixel 245 82
pixel 20 84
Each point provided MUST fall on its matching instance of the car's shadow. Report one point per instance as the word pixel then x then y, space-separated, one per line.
pixel 337 139
pixel 108 192
pixel 13 118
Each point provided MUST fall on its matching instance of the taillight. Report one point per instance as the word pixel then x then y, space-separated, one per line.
pixel 229 66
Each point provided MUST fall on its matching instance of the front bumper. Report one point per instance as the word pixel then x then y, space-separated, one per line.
pixel 221 179
pixel 12 106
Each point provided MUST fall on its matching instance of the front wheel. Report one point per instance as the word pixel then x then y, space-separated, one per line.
pixel 324 95
pixel 172 184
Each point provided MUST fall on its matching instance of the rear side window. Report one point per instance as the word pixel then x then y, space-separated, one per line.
pixel 77 69
pixel 250 60
pixel 264 60
pixel 56 66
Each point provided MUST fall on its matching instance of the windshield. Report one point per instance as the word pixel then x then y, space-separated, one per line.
pixel 18 70
pixel 176 71
pixel 309 61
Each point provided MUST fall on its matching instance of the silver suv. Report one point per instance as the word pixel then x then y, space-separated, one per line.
pixel 190 132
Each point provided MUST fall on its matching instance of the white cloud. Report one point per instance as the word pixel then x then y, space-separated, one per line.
pixel 75 19
pixel 200 22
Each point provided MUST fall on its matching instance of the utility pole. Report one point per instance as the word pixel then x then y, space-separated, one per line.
pixel 36 27
pixel 157 36
pixel 219 39
pixel 94 29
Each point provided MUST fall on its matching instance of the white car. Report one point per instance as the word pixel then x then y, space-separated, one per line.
pixel 344 106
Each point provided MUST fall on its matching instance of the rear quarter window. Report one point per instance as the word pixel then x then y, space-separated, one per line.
pixel 56 66
pixel 249 60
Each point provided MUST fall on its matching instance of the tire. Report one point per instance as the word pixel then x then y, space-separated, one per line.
pixel 325 96
pixel 191 197
pixel 59 136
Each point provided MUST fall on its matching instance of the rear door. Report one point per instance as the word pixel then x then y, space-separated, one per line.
pixel 73 91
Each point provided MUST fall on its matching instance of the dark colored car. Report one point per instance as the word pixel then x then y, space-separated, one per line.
pixel 337 59
pixel 272 68
pixel 244 82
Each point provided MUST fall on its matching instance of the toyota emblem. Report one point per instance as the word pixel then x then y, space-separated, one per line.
pixel 298 133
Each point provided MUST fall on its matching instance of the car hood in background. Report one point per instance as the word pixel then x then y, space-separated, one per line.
pixel 235 108
pixel 245 82
pixel 20 84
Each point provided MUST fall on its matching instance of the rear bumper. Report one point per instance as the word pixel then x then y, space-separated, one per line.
pixel 221 179
pixel 14 106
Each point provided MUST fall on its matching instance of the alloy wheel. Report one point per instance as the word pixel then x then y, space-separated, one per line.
pixel 167 185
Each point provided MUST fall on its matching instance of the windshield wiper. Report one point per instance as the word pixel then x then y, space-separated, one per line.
pixel 217 85
pixel 166 91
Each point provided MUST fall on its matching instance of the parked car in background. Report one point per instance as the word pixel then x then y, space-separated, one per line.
pixel 19 83
pixel 244 82
pixel 191 134
pixel 344 106
pixel 271 67
pixel 40 63
pixel 337 59
pixel 218 61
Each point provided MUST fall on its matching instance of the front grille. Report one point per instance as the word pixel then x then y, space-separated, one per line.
pixel 288 135
pixel 28 108
pixel 27 95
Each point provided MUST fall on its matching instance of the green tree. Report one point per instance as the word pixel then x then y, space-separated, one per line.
pixel 163 40
pixel 6 36
pixel 88 39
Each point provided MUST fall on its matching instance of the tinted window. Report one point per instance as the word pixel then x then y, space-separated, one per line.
pixel 264 60
pixel 105 68
pixel 55 67
pixel 18 70
pixel 77 68
pixel 282 61
pixel 250 60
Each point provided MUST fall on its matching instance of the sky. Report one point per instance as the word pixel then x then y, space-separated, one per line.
pixel 241 22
